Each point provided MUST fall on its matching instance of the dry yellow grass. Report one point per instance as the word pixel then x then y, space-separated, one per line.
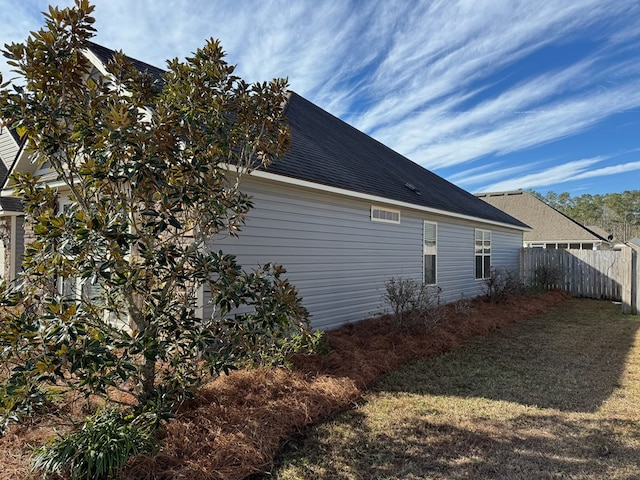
pixel 557 396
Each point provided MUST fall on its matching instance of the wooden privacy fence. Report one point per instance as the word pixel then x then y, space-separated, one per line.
pixel 603 274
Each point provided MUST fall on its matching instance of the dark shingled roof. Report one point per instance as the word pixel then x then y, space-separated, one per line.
pixel 106 54
pixel 15 135
pixel 328 151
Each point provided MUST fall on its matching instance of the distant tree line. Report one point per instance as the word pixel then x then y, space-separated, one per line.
pixel 617 213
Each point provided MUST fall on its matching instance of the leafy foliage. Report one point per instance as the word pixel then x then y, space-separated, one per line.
pixel 152 169
pixel 100 449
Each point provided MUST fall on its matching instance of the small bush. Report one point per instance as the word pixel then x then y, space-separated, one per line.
pixel 501 285
pixel 413 304
pixel 98 450
pixel 544 278
pixel 462 306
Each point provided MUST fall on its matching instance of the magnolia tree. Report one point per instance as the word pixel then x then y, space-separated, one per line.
pixel 106 300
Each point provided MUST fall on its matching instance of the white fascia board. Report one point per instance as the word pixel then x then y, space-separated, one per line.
pixel 584 240
pixel 55 184
pixel 95 61
pixel 374 198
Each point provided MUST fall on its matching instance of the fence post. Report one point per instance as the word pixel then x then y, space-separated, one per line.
pixel 627 279
pixel 635 281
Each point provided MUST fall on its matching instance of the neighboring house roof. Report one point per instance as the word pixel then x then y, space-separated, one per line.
pixel 327 151
pixel 598 230
pixel 547 223
pixel 603 233
pixel 635 241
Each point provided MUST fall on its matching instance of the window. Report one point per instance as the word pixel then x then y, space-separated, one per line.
pixel 72 288
pixel 430 234
pixel 483 253
pixel 67 286
pixel 44 168
pixel 385 215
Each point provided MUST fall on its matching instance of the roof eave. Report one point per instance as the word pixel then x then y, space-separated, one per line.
pixel 375 198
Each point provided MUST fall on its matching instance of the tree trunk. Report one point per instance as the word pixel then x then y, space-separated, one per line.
pixel 148 374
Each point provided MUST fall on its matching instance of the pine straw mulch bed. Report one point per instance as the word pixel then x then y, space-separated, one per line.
pixel 237 423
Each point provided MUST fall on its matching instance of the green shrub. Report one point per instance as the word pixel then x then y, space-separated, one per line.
pixel 100 448
pixel 278 350
pixel 150 191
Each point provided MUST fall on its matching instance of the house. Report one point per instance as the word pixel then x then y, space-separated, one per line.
pixel 344 213
pixel 549 227
pixel 11 217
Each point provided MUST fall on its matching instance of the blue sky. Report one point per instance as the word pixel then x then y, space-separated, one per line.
pixel 493 95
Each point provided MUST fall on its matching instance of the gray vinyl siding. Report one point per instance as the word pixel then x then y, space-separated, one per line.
pixel 456 261
pixel 507 250
pixel 339 259
pixel 334 254
pixel 456 257
pixel 8 148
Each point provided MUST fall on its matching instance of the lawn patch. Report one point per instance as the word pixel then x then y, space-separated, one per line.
pixel 556 396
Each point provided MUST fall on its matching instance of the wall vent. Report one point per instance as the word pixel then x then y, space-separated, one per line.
pixel 379 214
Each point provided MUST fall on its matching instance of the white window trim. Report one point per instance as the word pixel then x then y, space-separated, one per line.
pixel 385 209
pixel 429 250
pixel 483 255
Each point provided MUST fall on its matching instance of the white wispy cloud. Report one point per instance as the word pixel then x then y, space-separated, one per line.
pixel 454 44
pixel 570 171
pixel 612 170
pixel 550 176
pixel 544 124
pixel 480 175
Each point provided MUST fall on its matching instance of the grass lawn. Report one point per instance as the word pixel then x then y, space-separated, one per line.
pixel 555 396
